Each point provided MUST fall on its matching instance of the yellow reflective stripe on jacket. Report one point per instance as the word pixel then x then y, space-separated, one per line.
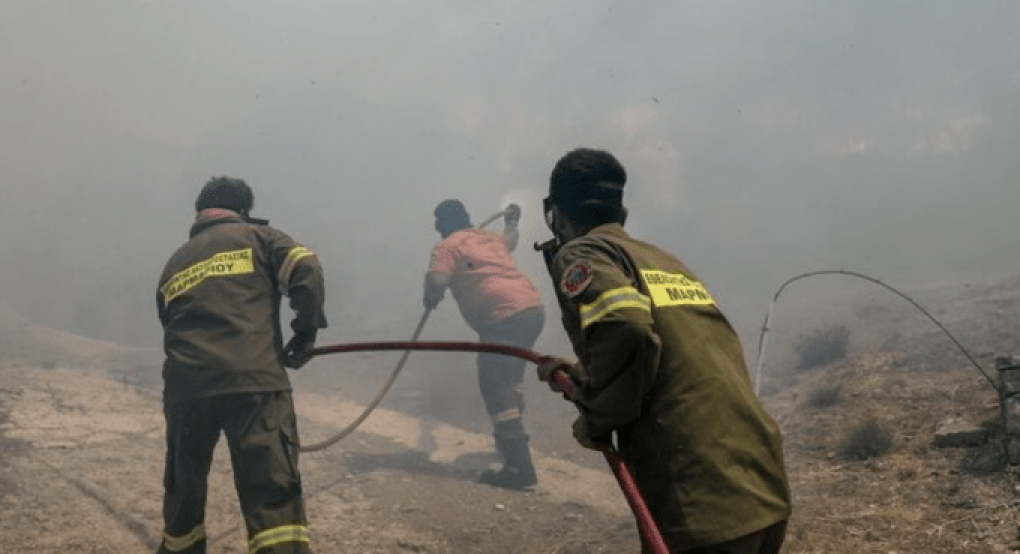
pixel 178 544
pixel 287 269
pixel 277 535
pixel 612 300
pixel 235 262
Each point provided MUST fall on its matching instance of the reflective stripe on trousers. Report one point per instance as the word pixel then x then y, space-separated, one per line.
pixel 277 535
pixel 183 542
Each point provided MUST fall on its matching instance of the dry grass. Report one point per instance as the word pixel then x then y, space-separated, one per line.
pixel 868 440
pixel 824 397
pixel 865 475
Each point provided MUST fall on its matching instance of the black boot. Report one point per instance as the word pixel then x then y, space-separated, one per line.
pixel 518 472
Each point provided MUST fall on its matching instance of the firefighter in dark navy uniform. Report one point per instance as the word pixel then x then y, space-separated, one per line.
pixel 219 303
pixel 662 368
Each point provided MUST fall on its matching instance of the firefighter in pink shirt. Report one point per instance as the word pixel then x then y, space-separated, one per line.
pixel 503 306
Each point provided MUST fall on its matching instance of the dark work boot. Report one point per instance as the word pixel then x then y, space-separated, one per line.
pixel 518 472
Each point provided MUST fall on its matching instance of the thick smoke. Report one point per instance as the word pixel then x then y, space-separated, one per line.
pixel 762 139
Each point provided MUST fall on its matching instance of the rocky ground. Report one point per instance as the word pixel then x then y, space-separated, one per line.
pixel 81 443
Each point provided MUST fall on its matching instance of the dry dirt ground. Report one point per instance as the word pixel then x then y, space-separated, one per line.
pixel 81 443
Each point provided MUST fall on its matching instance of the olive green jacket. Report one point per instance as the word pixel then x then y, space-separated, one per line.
pixel 660 365
pixel 219 302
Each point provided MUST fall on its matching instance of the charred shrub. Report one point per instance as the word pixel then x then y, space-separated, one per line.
pixel 824 397
pixel 822 346
pixel 867 440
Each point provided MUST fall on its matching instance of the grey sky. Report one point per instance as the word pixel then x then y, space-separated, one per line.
pixel 762 139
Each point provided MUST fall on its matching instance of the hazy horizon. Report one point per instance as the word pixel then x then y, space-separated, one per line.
pixel 761 139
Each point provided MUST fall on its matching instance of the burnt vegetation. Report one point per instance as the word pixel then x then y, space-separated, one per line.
pixel 824 397
pixel 822 346
pixel 868 440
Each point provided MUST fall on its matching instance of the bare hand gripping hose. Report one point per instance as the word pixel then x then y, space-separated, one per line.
pixel 646 525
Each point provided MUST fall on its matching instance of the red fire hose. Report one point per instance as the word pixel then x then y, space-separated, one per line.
pixel 646 525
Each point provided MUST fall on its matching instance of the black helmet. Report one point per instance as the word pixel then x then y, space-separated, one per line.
pixel 226 192
pixel 587 185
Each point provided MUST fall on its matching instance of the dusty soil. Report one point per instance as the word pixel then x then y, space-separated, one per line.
pixel 81 444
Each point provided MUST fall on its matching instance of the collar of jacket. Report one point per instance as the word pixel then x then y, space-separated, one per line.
pixel 213 216
pixel 610 229
pixel 605 230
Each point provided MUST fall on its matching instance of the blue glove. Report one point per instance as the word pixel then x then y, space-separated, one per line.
pixel 431 298
pixel 512 215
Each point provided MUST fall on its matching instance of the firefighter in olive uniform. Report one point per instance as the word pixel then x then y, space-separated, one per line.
pixel 503 306
pixel 659 365
pixel 219 302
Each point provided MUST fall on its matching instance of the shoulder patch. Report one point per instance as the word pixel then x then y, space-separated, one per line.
pixel 576 278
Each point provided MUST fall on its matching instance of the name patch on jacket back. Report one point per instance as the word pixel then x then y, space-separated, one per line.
pixel 675 289
pixel 235 262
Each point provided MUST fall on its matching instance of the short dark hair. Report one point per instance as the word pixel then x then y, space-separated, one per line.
pixel 587 185
pixel 452 215
pixel 225 192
